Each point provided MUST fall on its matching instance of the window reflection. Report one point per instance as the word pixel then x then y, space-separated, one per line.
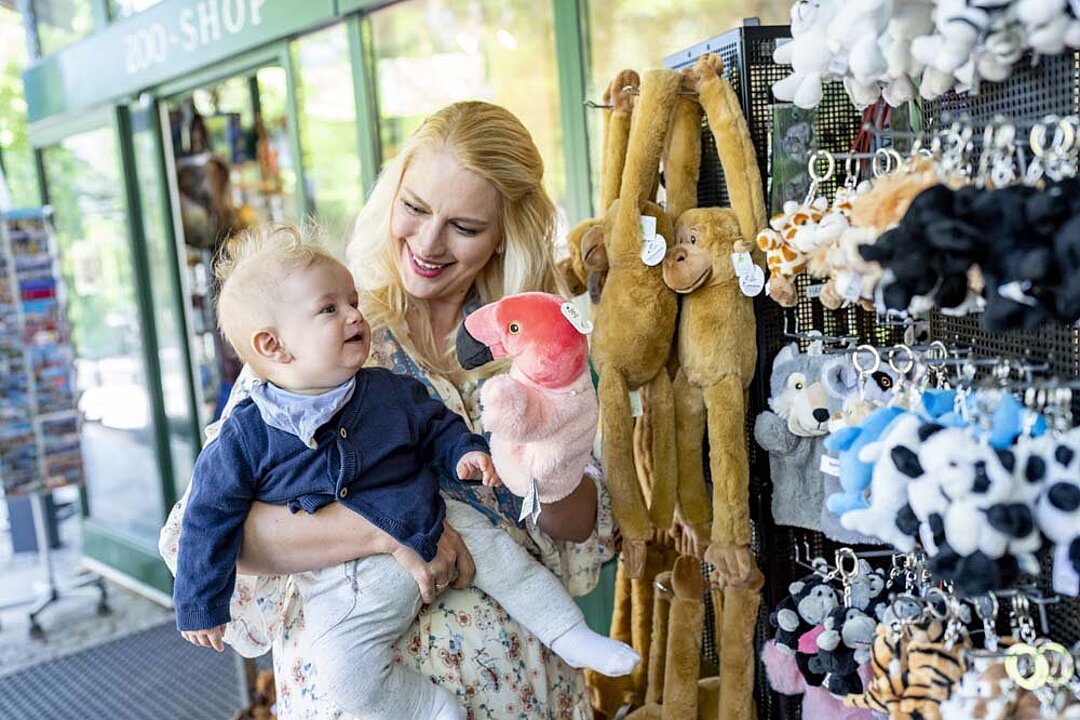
pixel 124 8
pixel 435 52
pixel 328 133
pixel 62 22
pixel 123 481
pixel 639 35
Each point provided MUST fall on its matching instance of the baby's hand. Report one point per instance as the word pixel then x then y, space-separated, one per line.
pixel 478 463
pixel 211 638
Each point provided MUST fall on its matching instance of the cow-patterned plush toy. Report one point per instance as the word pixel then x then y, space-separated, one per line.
pixel 1058 511
pixel 793 432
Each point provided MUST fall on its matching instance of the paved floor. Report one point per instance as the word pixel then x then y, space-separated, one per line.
pixel 72 624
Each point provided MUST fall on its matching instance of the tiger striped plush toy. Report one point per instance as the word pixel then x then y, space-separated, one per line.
pixel 913 672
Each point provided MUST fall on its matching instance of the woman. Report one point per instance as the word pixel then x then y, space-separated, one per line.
pixel 458 219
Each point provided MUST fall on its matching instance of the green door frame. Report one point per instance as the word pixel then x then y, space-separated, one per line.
pixel 128 555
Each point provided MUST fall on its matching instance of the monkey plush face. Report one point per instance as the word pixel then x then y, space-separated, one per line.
pixel 701 256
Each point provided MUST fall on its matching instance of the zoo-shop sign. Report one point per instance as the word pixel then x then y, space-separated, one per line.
pixel 169 40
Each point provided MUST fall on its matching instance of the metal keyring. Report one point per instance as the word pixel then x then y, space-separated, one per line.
pixel 830 165
pixel 910 354
pixel 934 593
pixel 1040 666
pixel 873 352
pixel 846 553
pixel 1065 668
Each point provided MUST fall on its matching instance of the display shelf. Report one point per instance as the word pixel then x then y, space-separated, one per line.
pixel 39 422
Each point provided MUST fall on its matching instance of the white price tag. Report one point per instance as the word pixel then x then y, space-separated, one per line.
pixel 1015 291
pixel 648 226
pixel 742 263
pixel 752 283
pixel 830 465
pixel 636 409
pixel 813 291
pixel 581 324
pixel 849 286
pixel 530 507
pixel 654 251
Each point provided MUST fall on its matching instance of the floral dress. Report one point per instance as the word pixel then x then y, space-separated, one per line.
pixel 464 641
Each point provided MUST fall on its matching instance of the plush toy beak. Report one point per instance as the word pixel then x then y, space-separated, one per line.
pixel 471 352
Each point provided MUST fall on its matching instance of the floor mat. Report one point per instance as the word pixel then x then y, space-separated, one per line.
pixel 150 675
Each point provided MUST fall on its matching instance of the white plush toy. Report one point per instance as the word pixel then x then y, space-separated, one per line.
pixel 1050 25
pixel 1058 512
pixel 807 53
pixel 894 462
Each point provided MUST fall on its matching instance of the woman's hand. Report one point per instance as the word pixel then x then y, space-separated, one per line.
pixel 452 564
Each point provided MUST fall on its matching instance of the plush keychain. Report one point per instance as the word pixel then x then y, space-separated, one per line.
pixel 842 648
pixel 1058 511
pixel 542 414
pixel 793 432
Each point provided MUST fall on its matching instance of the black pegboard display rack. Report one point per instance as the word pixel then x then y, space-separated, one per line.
pixel 1035 90
pixel 747 54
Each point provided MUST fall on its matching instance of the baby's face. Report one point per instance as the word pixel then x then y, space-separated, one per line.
pixel 320 325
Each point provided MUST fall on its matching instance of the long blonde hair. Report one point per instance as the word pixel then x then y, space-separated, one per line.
pixel 491 142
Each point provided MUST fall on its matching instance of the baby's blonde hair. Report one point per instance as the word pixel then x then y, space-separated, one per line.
pixel 491 142
pixel 248 270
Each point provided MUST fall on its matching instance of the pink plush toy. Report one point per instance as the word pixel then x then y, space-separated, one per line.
pixel 542 414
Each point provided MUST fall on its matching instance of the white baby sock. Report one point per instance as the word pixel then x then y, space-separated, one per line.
pixel 446 706
pixel 580 647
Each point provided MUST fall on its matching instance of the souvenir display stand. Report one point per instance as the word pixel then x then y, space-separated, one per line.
pixel 39 421
pixel 1046 86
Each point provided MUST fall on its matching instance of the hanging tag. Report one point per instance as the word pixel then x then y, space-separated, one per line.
pixel 830 465
pixel 636 410
pixel 849 286
pixel 742 263
pixel 752 283
pixel 530 504
pixel 1015 291
pixel 581 324
pixel 648 226
pixel 652 254
pixel 814 291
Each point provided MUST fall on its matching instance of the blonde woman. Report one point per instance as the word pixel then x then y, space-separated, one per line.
pixel 458 219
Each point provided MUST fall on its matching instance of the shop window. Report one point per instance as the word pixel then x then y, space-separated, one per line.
pixel 86 190
pixel 328 134
pixel 124 8
pixel 433 53
pixel 639 35
pixel 62 22
pixel 16 156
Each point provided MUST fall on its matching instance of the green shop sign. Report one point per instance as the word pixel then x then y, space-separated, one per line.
pixel 167 41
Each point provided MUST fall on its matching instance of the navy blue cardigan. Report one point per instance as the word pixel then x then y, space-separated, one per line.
pixel 375 456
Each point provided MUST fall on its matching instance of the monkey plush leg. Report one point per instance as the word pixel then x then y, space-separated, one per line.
pixel 641 597
pixel 729 549
pixel 662 595
pixel 643 445
pixel 664 454
pixel 737 654
pixel 626 499
pixel 684 640
pixel 694 503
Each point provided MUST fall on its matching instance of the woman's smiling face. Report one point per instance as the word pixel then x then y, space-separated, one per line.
pixel 446 220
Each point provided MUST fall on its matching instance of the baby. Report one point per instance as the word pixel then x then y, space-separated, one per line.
pixel 321 428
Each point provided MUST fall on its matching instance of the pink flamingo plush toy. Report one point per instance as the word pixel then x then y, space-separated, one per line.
pixel 542 414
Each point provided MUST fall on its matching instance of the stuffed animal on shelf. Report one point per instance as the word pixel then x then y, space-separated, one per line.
pixel 635 323
pixel 542 414
pixel 793 433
